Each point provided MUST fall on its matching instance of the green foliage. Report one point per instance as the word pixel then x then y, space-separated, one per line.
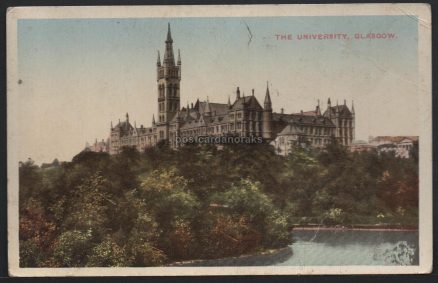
pixel 163 205
pixel 108 253
pixel 71 248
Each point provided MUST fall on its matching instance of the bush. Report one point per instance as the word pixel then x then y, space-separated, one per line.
pixel 106 254
pixel 71 248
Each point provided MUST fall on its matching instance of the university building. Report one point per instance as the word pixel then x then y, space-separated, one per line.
pixel 241 116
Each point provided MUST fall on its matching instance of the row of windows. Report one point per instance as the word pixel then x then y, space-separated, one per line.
pixel 345 123
pixel 252 115
pixel 405 146
pixel 172 90
pixel 172 106
pixel 254 127
pixel 134 141
pixel 313 141
pixel 169 73
pixel 345 132
pixel 316 130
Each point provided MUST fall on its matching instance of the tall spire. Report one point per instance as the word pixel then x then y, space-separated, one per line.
pixel 169 59
pixel 179 58
pixel 229 102
pixel 169 35
pixel 158 59
pixel 318 110
pixel 237 93
pixel 329 106
pixel 352 106
pixel 153 119
pixel 207 109
pixel 127 117
pixel 188 110
pixel 267 103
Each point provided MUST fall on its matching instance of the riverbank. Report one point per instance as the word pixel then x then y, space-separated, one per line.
pixel 270 257
pixel 355 227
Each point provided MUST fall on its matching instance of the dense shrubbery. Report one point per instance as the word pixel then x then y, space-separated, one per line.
pixel 152 208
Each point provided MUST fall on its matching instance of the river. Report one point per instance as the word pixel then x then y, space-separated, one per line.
pixel 332 247
pixel 353 247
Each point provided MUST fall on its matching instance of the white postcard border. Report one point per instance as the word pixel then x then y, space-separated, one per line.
pixel 422 11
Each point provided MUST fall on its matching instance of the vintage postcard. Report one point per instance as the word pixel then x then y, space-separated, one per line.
pixel 219 140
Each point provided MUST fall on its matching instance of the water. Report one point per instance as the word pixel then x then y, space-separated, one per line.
pixel 333 247
pixel 347 247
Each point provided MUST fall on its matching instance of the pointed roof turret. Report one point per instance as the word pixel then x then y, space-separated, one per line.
pixel 169 35
pixel 267 103
pixel 127 117
pixel 207 109
pixel 318 110
pixel 229 102
pixel 352 107
pixel 158 59
pixel 169 59
pixel 188 110
pixel 153 119
pixel 179 58
pixel 237 93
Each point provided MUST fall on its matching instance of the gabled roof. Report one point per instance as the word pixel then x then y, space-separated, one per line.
pixel 290 129
pixel 218 108
pixel 247 102
pixel 124 126
pixel 343 111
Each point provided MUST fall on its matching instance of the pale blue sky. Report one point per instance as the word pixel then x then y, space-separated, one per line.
pixel 78 75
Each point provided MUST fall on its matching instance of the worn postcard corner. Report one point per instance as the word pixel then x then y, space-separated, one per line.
pixel 219 140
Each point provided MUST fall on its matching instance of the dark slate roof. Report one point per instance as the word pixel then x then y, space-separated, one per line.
pixel 343 110
pixel 216 120
pixel 303 119
pixel 143 130
pixel 247 102
pixel 290 129
pixel 218 108
pixel 124 127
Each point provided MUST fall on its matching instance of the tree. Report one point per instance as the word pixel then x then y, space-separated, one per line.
pixel 170 202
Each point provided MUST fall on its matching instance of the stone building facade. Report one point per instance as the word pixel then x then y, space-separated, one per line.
pixel 242 116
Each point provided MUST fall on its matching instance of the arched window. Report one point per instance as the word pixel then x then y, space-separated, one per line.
pixel 169 91
pixel 175 90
